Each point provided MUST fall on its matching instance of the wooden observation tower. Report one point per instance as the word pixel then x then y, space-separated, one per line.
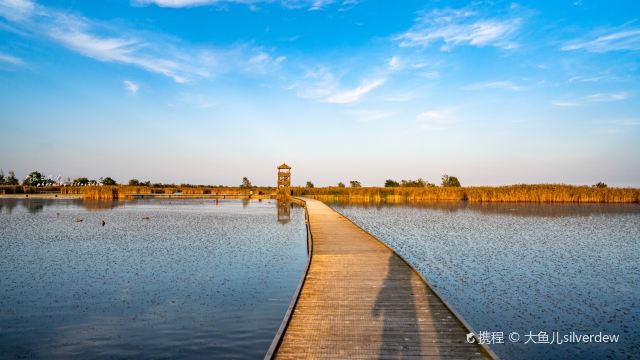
pixel 284 181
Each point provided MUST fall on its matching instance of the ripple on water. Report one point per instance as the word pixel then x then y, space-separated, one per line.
pixel 185 279
pixel 526 267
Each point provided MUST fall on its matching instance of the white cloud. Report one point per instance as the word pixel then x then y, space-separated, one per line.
pixel 262 62
pixel 460 27
pixel 394 63
pixel 369 115
pixel 321 84
pixel 130 86
pixel 291 4
pixel 318 83
pixel 319 4
pixel 589 78
pixel 151 52
pixel 435 119
pixel 11 60
pixel 608 97
pixel 563 103
pixel 506 85
pixel 179 3
pixel 353 95
pixel 610 40
pixel 16 9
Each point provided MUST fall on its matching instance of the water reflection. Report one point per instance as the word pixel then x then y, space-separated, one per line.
pixel 525 267
pixel 37 205
pixel 514 209
pixel 195 280
pixel 284 211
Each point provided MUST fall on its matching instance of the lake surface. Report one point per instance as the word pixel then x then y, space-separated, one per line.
pixel 525 268
pixel 161 279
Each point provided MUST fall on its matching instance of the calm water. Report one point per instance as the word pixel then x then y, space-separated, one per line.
pixel 161 279
pixel 526 267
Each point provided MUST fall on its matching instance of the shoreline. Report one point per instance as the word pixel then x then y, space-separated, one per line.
pixel 41 196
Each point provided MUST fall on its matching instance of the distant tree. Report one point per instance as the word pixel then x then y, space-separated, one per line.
pixel 355 183
pixel 450 181
pixel 81 181
pixel 246 183
pixel 391 183
pixel 601 185
pixel 107 181
pixel 309 184
pixel 11 179
pixel 340 184
pixel 35 178
pixel 413 183
pixel 145 183
pixel 1 177
pixel 157 185
pixel 134 182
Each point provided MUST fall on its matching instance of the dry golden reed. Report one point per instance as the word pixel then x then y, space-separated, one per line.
pixel 546 193
pixel 124 191
pixel 25 189
pixel 105 192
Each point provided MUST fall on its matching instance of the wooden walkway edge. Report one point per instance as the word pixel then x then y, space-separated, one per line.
pixel 358 299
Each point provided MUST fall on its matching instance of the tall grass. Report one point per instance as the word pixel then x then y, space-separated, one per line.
pixel 513 193
pixel 105 192
pixel 124 191
pixel 25 189
pixel 545 193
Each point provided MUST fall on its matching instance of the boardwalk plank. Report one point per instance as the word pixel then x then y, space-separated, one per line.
pixel 360 300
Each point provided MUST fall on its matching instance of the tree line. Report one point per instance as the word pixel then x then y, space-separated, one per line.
pixel 447 181
pixel 36 178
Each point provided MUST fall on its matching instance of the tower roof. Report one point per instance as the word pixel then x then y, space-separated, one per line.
pixel 284 166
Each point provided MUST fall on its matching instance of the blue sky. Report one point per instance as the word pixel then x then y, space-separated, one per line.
pixel 205 91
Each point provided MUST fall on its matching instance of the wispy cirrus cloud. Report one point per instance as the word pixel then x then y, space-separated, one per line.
pixel 608 97
pixel 433 120
pixel 455 27
pixel 131 86
pixel 395 63
pixel 291 4
pixel 352 95
pixel 564 103
pixel 321 84
pixel 16 9
pixel 505 85
pixel 625 39
pixel 593 98
pixel 11 60
pixel 151 52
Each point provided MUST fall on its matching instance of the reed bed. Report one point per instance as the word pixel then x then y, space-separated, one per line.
pixel 105 192
pixel 123 191
pixel 24 189
pixel 544 193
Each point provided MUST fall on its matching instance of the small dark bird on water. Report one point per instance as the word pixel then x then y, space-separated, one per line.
pixel 145 218
pixel 103 222
pixel 79 220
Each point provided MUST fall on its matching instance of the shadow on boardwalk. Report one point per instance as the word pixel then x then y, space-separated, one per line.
pixel 401 336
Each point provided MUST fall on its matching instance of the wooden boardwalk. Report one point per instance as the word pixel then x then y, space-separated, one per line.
pixel 360 300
